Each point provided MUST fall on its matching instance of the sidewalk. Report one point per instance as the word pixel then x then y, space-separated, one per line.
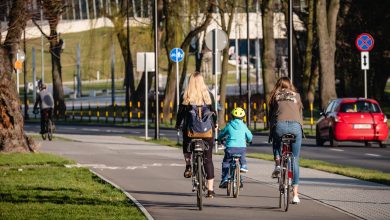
pixel 114 158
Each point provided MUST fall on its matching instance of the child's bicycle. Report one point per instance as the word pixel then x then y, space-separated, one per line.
pixel 234 180
pixel 287 168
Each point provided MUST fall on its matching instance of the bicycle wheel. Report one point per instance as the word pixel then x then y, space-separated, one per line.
pixel 199 177
pixel 229 188
pixel 283 199
pixel 50 130
pixel 44 131
pixel 236 180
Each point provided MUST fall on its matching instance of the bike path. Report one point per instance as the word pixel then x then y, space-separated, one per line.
pixel 153 174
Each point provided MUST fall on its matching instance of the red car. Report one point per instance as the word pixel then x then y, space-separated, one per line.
pixel 352 119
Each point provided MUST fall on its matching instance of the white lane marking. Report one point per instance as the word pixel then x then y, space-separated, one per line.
pixel 339 150
pixel 136 132
pixel 373 155
pixel 90 129
pixel 103 166
pixel 68 128
pixel 162 134
pixel 175 165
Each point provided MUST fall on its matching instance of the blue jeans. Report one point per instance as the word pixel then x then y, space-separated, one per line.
pixel 228 158
pixel 291 127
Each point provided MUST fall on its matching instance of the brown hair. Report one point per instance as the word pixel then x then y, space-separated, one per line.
pixel 282 83
pixel 196 92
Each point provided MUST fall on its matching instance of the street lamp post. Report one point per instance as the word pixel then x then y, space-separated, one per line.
pixel 248 74
pixel 290 50
pixel 157 128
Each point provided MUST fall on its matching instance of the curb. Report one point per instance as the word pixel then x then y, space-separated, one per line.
pixel 138 204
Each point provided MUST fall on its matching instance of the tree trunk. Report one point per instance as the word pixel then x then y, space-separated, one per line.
pixel 225 11
pixel 173 38
pixel 12 136
pixel 268 55
pixel 326 28
pixel 308 96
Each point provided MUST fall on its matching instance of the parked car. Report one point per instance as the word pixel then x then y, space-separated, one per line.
pixel 352 119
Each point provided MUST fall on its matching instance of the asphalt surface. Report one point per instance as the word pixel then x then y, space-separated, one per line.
pixel 153 174
pixel 348 153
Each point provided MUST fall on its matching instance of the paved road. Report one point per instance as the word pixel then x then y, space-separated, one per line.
pixel 349 153
pixel 153 175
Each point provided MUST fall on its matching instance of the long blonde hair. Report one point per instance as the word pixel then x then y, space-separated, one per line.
pixel 282 83
pixel 196 92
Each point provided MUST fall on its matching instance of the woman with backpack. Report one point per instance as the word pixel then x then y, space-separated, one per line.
pixel 196 95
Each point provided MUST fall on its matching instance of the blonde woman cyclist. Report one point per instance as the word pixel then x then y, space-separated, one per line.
pixel 197 93
pixel 286 117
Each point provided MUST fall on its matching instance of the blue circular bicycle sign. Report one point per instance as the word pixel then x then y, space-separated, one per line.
pixel 176 55
pixel 364 42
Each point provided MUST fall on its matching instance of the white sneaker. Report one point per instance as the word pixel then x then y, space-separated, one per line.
pixel 296 200
pixel 276 172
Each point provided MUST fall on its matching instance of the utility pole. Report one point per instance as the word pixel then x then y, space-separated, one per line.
pixel 248 72
pixel 25 77
pixel 42 57
pixel 127 83
pixel 290 50
pixel 157 125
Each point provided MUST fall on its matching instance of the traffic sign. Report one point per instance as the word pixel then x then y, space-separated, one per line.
pixel 176 55
pixel 364 42
pixel 365 60
pixel 221 41
pixel 18 65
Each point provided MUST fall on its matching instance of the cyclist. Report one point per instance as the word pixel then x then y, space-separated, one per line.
pixel 196 93
pixel 238 135
pixel 286 117
pixel 46 104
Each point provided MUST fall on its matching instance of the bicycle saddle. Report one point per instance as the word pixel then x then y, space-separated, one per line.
pixel 288 138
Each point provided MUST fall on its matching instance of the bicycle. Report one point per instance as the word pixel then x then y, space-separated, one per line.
pixel 48 128
pixel 234 180
pixel 287 168
pixel 198 146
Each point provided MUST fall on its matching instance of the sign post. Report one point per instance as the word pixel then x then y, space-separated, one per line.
pixel 20 57
pixel 365 42
pixel 177 55
pixel 145 63
pixel 216 40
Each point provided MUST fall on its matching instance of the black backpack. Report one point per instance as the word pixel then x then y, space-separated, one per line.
pixel 199 124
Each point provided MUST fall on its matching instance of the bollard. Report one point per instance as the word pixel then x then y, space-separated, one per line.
pixel 114 112
pixel 226 112
pixel 73 110
pixel 123 112
pixel 254 113
pixel 311 117
pixel 265 115
pixel 162 113
pixel 235 105
pixel 130 113
pixel 97 112
pixel 81 111
pixel 170 112
pixel 89 111
pixel 139 111
pixel 106 113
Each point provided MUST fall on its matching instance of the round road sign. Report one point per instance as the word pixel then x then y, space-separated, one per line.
pixel 364 42
pixel 176 55
pixel 18 64
pixel 221 41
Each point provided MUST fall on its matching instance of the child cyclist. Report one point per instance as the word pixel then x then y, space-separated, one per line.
pixel 237 135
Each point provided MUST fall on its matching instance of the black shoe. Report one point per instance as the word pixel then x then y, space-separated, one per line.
pixel 210 194
pixel 188 172
pixel 241 185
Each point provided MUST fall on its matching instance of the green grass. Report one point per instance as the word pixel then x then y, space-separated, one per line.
pixel 38 186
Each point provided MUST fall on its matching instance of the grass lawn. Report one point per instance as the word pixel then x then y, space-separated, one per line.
pixel 39 186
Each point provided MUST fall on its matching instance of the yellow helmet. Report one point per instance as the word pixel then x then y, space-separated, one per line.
pixel 238 112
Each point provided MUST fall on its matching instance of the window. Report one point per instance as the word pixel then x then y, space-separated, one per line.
pixel 360 106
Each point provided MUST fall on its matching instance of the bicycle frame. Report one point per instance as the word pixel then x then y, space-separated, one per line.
pixel 198 171
pixel 234 180
pixel 287 172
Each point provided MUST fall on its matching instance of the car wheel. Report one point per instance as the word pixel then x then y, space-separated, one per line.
pixel 367 144
pixel 382 144
pixel 333 141
pixel 319 141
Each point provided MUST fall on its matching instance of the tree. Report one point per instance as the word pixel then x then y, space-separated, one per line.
pixel 53 9
pixel 226 10
pixel 269 56
pixel 12 136
pixel 326 30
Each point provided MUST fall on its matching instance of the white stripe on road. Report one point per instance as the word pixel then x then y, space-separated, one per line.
pixel 90 129
pixel 339 150
pixel 373 155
